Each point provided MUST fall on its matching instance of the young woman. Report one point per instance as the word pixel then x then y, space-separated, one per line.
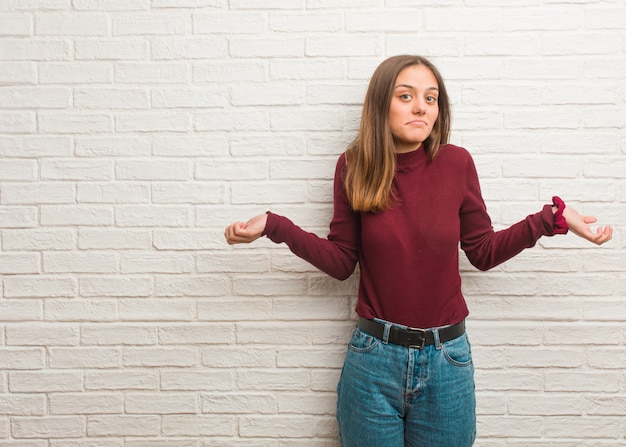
pixel 403 201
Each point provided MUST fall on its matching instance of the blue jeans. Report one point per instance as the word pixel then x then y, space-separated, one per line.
pixel 394 396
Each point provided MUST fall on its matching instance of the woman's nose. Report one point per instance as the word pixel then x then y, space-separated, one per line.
pixel 419 106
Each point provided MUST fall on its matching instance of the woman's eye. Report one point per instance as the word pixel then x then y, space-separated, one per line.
pixel 405 97
pixel 431 99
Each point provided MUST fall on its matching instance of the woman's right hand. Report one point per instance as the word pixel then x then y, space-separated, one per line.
pixel 244 233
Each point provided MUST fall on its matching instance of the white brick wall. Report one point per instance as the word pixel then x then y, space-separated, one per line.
pixel 132 132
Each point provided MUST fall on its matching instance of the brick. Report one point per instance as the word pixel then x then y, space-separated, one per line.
pixel 193 193
pixel 268 94
pixel 45 381
pixel 162 357
pixel 18 73
pixel 402 20
pixel 153 122
pixel 575 43
pixel 196 334
pixel 113 239
pixel 34 98
pixel 23 405
pixel 318 403
pixel 103 146
pixel 84 123
pixel 231 357
pixel 267 193
pixel 19 263
pixel 594 427
pixel 226 71
pixel 309 119
pixel 83 358
pixel 175 425
pixel 205 380
pixel 62 215
pixel 153 170
pixel 16 25
pixel 135 379
pixel 115 286
pixel 582 381
pixel 151 72
pixel 158 263
pixel 75 73
pixel 267 47
pixel 80 262
pixel 37 193
pixel 76 169
pixel 48 427
pixel 157 215
pixel 185 3
pixel 35 146
pixel 298 69
pixel 80 310
pixel 111 335
pixel 42 335
pixel 17 122
pixel 343 46
pixel 113 192
pixel 71 25
pixel 172 48
pixel 166 403
pixel 124 50
pixel 571 18
pixel 188 239
pixel 239 169
pixel 156 310
pixel 42 286
pixel 309 22
pixel 335 94
pixel 190 146
pixel 86 403
pixel 239 404
pixel 196 97
pixel 139 24
pixel 284 426
pixel 191 285
pixel 313 358
pixel 112 98
pixel 110 5
pixel 229 120
pixel 228 309
pixel 239 22
pixel 14 49
pixel 21 358
pixel 38 239
pixel 122 425
pixel 233 261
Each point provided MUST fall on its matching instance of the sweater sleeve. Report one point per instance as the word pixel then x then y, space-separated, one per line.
pixel 337 254
pixel 486 248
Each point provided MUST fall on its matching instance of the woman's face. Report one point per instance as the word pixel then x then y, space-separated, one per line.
pixel 414 107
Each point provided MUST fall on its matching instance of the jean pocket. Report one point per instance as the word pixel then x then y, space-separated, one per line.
pixel 362 342
pixel 458 352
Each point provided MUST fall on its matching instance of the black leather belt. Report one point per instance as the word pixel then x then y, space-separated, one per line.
pixel 411 338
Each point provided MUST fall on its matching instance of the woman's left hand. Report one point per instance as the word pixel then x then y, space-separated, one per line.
pixel 579 225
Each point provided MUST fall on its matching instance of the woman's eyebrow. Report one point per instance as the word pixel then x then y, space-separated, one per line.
pixel 413 88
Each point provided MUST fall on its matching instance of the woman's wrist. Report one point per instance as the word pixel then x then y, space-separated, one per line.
pixel 560 223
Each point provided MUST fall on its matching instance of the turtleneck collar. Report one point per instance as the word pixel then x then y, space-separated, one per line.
pixel 408 160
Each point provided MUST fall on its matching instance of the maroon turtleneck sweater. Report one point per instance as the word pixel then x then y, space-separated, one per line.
pixel 408 254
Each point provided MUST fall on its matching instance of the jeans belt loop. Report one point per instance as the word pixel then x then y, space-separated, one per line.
pixel 386 333
pixel 436 337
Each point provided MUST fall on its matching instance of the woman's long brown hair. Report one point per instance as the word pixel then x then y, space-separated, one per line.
pixel 371 157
